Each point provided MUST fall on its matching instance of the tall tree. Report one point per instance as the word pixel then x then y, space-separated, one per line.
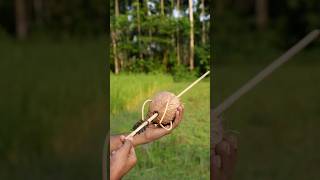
pixel 126 39
pixel 149 15
pixel 261 14
pixel 219 6
pixel 114 35
pixel 21 19
pixel 139 29
pixel 115 54
pixel 162 7
pixel 173 38
pixel 178 34
pixel 191 45
pixel 165 51
pixel 38 8
pixel 203 29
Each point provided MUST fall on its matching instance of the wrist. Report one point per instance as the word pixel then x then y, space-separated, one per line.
pixel 140 139
pixel 114 175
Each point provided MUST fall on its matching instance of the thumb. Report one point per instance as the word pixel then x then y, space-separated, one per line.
pixel 125 148
pixel 122 138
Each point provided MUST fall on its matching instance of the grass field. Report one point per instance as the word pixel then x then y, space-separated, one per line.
pixel 278 121
pixel 182 155
pixel 52 107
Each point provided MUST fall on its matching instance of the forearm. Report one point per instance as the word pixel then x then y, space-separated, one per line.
pixel 140 139
pixel 115 141
pixel 114 175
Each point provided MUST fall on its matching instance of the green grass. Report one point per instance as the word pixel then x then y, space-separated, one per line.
pixel 278 120
pixel 182 155
pixel 138 87
pixel 52 109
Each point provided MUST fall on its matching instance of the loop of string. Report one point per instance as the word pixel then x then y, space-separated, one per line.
pixel 164 114
pixel 142 109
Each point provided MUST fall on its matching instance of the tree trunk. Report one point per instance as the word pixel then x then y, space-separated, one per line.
pixel 261 14
pixel 165 59
pixel 38 6
pixel 178 36
pixel 162 7
pixel 219 7
pixel 173 37
pixel 149 14
pixel 115 54
pixel 21 19
pixel 203 30
pixel 116 8
pixel 191 56
pixel 139 30
pixel 119 57
pixel 127 31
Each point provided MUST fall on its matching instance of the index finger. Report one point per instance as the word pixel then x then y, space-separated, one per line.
pixel 179 115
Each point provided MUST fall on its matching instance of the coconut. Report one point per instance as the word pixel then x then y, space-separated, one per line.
pixel 158 105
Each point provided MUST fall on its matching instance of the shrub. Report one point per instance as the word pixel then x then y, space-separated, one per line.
pixel 182 73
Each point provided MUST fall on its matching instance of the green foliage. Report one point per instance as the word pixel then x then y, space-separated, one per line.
pixel 202 53
pixel 144 66
pixel 147 40
pixel 182 73
pixel 238 40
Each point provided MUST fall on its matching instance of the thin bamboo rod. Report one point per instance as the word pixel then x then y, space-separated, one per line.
pixel 145 123
pixel 194 83
pixel 266 71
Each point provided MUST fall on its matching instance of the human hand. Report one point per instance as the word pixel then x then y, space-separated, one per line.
pixel 153 133
pixel 122 159
pixel 225 156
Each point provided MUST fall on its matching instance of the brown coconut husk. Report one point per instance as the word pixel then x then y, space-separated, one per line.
pixel 158 105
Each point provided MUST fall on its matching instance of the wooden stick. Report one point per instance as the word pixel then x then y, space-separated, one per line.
pixel 194 83
pixel 142 125
pixel 265 72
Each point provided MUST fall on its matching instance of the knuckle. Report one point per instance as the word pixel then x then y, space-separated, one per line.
pixel 134 161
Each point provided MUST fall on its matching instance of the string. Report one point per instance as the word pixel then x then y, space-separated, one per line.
pixel 165 111
pixel 142 109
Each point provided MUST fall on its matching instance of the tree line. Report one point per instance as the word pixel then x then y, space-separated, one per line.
pixel 159 35
pixel 286 20
pixel 22 18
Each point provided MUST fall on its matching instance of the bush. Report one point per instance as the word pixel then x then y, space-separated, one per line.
pixel 145 66
pixel 182 73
